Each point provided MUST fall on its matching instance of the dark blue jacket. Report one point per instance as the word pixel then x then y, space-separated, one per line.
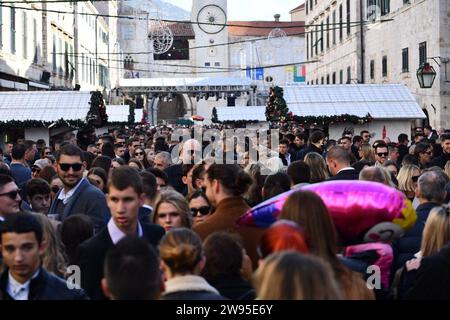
pixel 408 245
pixel 45 286
pixel 88 200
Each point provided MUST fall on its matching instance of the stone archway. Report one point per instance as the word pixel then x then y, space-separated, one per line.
pixel 170 111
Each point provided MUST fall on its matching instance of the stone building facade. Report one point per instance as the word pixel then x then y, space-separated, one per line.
pixel 396 36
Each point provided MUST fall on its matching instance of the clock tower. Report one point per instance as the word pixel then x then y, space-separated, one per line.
pixel 209 18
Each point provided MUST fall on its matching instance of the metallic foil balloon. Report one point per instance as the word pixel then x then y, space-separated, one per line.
pixel 359 209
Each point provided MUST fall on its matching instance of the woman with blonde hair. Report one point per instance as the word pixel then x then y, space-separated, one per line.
pixel 366 152
pixel 319 171
pixel 290 275
pixel 53 258
pixel 182 260
pixel 447 169
pixel 407 180
pixel 436 234
pixel 172 211
pixel 309 211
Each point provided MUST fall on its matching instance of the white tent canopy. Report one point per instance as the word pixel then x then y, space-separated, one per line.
pixel 381 101
pixel 44 105
pixel 241 113
pixel 120 113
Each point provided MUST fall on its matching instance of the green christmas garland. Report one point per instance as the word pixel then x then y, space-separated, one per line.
pixel 326 120
pixel 41 124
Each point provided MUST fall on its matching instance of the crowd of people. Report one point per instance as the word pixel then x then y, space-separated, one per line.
pixel 139 224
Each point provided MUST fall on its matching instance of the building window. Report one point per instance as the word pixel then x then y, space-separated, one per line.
pixel 385 7
pixel 328 32
pixel 349 75
pixel 207 64
pixel 1 27
pixel 306 5
pixel 60 50
pixel 333 78
pixel 178 51
pixel 340 22
pixel 311 4
pixel 35 44
pixel 422 52
pixel 341 76
pixel 372 69
pixel 216 64
pixel 322 80
pixel 307 46
pixel 66 60
pixel 384 66
pixel 317 40
pixel 334 27
pixel 321 37
pixel 128 33
pixel 25 38
pixel 405 60
pixel 328 79
pixel 348 17
pixel 13 29
pixel 54 54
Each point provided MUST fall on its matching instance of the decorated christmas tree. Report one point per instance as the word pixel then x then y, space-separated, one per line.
pixel 277 110
pixel 97 116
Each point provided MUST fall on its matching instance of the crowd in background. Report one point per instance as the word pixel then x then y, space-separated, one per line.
pixel 140 224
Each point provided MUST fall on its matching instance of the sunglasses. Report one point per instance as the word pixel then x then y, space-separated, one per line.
pixel 202 210
pixel 35 169
pixel 138 153
pixel 12 194
pixel 67 166
pixel 415 178
pixel 55 189
pixel 383 154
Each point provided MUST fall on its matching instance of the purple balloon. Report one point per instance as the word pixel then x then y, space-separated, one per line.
pixel 355 207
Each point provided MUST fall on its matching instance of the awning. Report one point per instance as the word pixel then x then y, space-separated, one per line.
pixel 185 85
pixel 242 113
pixel 381 101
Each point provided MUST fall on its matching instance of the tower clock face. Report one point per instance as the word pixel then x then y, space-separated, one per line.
pixel 211 19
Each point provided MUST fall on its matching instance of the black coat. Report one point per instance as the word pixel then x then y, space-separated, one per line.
pixel 175 175
pixel 233 287
pixel 310 148
pixel 432 278
pixel 440 161
pixel 348 174
pixel 408 245
pixel 91 256
pixel 45 286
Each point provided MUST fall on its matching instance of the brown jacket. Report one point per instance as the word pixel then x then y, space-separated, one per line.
pixel 224 219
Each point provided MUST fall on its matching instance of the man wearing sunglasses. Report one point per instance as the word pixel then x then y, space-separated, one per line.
pixel 381 154
pixel 9 196
pixel 77 195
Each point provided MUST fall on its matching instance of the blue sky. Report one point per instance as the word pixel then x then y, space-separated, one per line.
pixel 251 9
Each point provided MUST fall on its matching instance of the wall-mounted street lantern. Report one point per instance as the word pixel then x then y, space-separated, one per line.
pixel 426 75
